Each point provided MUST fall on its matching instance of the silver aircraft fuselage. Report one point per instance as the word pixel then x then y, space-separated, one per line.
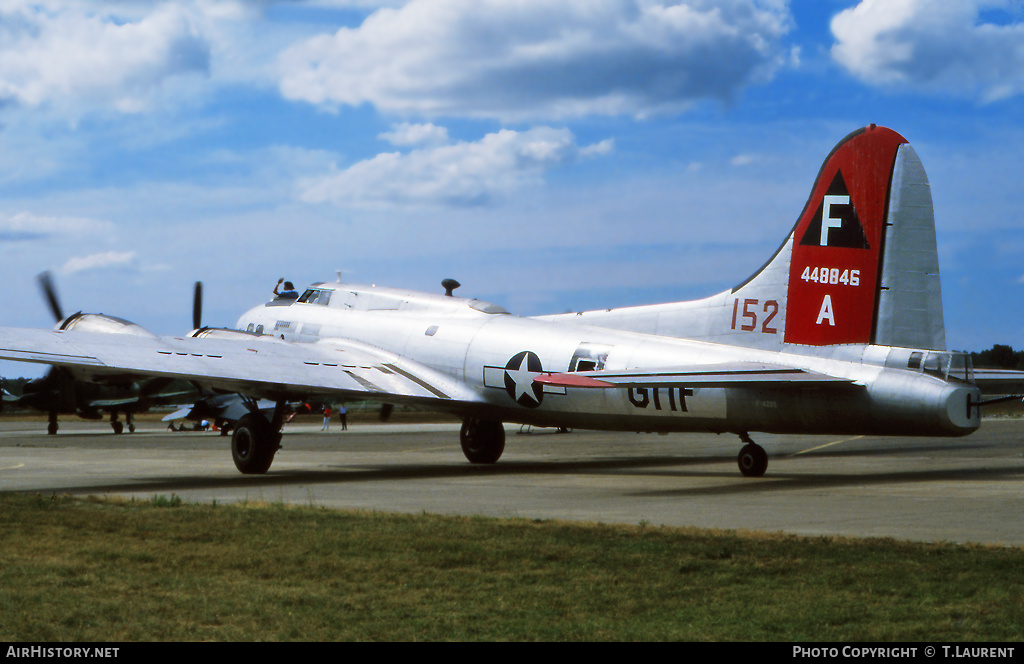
pixel 498 356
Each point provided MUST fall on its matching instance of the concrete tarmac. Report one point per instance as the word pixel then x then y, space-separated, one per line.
pixel 926 489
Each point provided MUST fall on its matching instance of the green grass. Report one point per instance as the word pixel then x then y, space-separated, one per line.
pixel 85 570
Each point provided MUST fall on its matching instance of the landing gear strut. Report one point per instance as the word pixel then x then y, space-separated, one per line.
pixel 483 441
pixel 752 459
pixel 115 423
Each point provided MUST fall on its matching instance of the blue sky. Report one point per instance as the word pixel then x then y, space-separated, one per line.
pixel 551 156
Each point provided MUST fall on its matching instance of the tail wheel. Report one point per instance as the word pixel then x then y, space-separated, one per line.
pixel 253 445
pixel 483 441
pixel 752 460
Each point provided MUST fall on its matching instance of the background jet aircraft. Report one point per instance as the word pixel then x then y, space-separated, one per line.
pixel 223 410
pixel 840 332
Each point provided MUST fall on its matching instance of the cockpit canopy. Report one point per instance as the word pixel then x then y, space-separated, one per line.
pixel 316 296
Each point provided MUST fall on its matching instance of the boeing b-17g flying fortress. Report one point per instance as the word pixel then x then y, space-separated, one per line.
pixel 840 332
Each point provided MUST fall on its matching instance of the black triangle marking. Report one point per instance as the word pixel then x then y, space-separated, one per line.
pixel 845 229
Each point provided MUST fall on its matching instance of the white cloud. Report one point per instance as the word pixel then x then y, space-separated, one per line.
pixel 406 134
pixel 536 58
pixel 463 173
pixel 85 55
pixel 27 226
pixel 98 261
pixel 933 45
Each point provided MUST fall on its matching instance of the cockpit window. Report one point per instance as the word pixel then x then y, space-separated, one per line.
pixel 316 296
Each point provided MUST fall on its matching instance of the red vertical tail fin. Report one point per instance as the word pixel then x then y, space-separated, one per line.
pixel 859 267
pixel 864 267
pixel 838 242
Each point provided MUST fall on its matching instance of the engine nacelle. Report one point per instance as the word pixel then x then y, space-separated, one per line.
pixel 102 323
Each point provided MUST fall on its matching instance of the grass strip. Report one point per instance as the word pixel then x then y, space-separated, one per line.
pixel 115 570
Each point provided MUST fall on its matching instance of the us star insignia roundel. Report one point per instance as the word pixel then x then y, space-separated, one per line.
pixel 519 374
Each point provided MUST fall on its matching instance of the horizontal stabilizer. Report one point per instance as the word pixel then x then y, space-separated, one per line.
pixel 999 381
pixel 177 415
pixel 737 374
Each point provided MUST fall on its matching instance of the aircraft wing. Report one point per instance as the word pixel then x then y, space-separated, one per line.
pixel 255 366
pixel 735 374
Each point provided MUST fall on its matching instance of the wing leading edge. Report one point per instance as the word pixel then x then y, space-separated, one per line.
pixel 258 366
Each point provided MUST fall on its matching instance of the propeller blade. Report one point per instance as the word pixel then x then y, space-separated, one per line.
pixel 50 293
pixel 197 306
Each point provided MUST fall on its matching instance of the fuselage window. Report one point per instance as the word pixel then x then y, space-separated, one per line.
pixel 589 357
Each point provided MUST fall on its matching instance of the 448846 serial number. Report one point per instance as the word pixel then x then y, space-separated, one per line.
pixel 831 275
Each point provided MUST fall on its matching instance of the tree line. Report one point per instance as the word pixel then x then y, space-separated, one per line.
pixel 999 357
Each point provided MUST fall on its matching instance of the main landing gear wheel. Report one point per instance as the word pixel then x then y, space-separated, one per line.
pixel 253 445
pixel 483 441
pixel 752 460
